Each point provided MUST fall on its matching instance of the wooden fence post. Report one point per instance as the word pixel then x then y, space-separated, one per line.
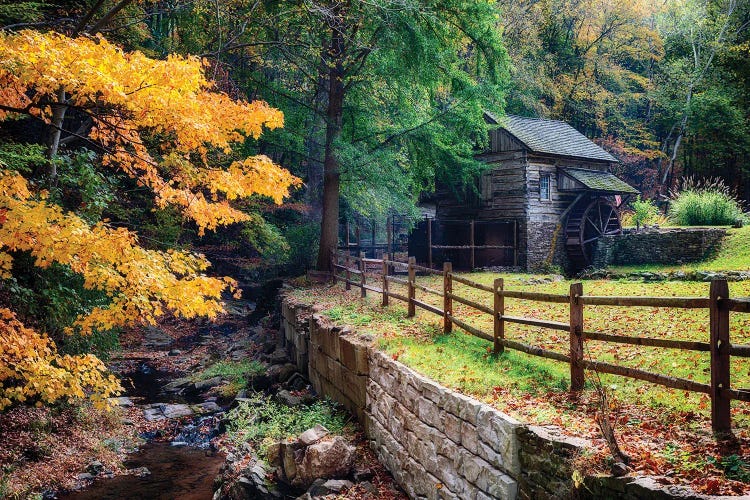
pixel 515 242
pixel 347 263
pixel 385 281
pixel 576 338
pixel 719 325
pixel 429 242
pixel 362 281
pixel 389 238
pixel 471 242
pixel 334 261
pixel 499 311
pixel 447 300
pixel 411 311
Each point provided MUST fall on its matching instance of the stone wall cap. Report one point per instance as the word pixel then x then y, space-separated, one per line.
pixel 652 485
pixel 555 434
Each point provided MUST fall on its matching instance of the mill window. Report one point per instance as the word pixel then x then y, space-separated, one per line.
pixel 544 187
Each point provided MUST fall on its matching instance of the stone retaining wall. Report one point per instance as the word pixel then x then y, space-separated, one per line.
pixel 658 246
pixel 436 442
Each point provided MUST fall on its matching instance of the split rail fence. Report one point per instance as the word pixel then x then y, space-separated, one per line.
pixel 718 303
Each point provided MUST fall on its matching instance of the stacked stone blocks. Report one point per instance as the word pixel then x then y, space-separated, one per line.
pixel 338 365
pixel 658 246
pixel 443 444
pixel 440 444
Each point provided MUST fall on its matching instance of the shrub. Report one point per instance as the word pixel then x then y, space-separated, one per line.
pixel 644 212
pixel 705 203
pixel 262 420
pixel 303 246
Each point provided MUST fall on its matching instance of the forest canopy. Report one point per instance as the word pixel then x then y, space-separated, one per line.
pixel 133 130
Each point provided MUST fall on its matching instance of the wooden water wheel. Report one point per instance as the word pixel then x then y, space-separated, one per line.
pixel 587 223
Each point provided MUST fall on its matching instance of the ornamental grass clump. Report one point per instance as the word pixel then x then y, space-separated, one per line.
pixel 705 203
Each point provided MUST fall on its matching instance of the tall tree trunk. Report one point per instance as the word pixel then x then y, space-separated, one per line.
pixel 60 108
pixel 329 225
pixel 54 132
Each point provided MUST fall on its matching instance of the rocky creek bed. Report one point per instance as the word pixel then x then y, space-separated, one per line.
pixel 183 417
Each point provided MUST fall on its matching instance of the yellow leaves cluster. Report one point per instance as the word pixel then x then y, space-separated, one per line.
pixel 258 175
pixel 31 370
pixel 131 99
pixel 142 283
pixel 128 95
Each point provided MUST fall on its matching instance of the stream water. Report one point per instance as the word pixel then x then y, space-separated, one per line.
pixel 183 472
pixel 186 472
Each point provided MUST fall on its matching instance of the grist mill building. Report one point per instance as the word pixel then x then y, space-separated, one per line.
pixel 546 199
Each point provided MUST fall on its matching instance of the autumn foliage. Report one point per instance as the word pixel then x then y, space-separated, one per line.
pixel 133 103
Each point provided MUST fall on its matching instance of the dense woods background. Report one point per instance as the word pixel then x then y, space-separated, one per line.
pixel 663 87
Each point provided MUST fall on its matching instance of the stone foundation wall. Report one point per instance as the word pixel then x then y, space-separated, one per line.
pixel 658 246
pixel 540 237
pixel 436 442
pixel 295 329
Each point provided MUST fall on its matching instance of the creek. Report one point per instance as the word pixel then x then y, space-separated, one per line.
pixel 181 472
pixel 185 471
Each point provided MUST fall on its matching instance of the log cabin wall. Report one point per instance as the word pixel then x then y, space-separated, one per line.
pixel 544 215
pixel 510 190
pixel 504 190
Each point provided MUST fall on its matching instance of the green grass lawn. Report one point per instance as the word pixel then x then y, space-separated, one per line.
pixel 734 255
pixel 666 431
pixel 464 362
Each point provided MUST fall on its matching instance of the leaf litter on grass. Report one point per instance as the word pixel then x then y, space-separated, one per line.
pixel 532 389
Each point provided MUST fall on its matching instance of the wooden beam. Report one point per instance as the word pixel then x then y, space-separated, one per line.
pixel 536 296
pixel 429 242
pixel 412 277
pixel 720 372
pixel 665 380
pixel 363 279
pixel 447 301
pixel 499 311
pixel 389 238
pixel 680 302
pixel 542 323
pixel 472 243
pixel 474 284
pixel 428 307
pixel 472 304
pixel 347 263
pixel 515 242
pixel 685 345
pixel 334 261
pixel 385 281
pixel 577 376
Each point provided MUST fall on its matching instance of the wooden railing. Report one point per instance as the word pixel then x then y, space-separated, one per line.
pixel 719 305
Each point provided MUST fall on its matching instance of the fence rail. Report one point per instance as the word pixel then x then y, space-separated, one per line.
pixel 719 305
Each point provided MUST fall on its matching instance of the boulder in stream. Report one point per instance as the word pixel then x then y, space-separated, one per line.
pixel 161 411
pixel 207 384
pixel 314 455
pixel 327 459
pixel 177 411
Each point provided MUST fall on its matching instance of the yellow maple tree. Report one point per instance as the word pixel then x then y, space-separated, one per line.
pixel 131 99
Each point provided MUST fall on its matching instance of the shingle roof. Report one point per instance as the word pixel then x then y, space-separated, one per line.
pixel 551 136
pixel 597 180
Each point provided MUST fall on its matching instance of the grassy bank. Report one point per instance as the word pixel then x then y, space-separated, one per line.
pixel 652 421
pixel 734 255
